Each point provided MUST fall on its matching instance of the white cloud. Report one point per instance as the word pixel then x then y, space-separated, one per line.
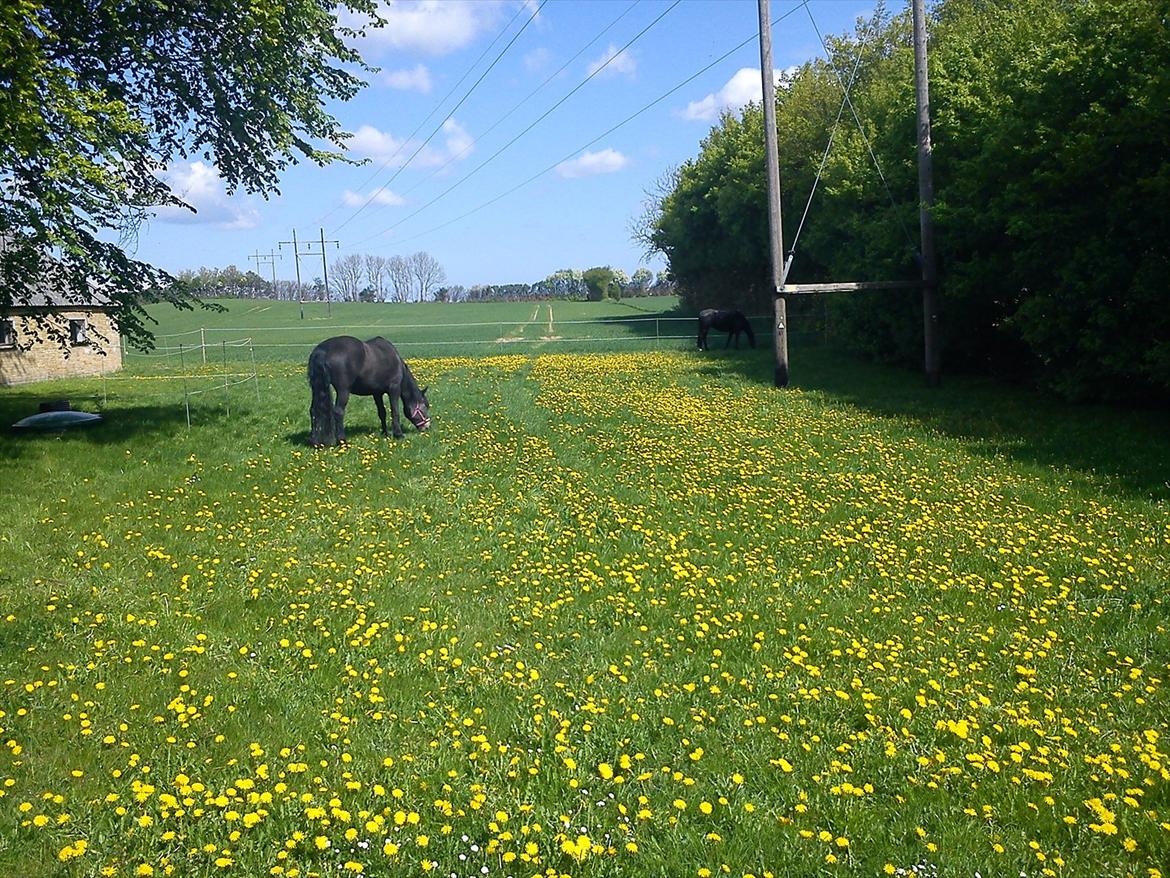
pixel 379 196
pixel 607 161
pixel 739 91
pixel 622 63
pixel 432 27
pixel 368 142
pixel 384 148
pixel 200 186
pixel 457 138
pixel 416 79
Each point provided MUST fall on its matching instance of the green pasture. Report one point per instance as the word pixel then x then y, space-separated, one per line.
pixel 623 611
pixel 275 331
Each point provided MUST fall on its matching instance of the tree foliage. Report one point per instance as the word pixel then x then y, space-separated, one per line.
pixel 96 99
pixel 1051 128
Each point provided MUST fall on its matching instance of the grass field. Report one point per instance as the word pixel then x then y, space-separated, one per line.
pixel 622 612
pixel 279 334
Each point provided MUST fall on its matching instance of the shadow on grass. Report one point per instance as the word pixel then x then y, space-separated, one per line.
pixel 301 437
pixel 125 421
pixel 1117 447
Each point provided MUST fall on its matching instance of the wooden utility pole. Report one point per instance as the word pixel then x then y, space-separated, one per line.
pixel 325 270
pixel 925 198
pixel 297 254
pixel 776 237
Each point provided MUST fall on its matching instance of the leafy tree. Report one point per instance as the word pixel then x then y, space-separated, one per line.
pixel 1051 126
pixel 641 280
pixel 456 293
pixel 598 279
pixel 97 99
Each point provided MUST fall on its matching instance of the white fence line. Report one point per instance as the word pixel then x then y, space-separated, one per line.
pixel 512 322
pixel 203 346
pixel 224 375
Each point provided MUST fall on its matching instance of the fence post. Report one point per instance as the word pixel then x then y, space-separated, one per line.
pixel 186 398
pixel 657 335
pixel 203 345
pixel 255 380
pixel 227 402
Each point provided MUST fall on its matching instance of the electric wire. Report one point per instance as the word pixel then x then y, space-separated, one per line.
pixel 601 136
pixel 527 98
pixel 434 109
pixel 824 161
pixel 531 125
pixel 861 130
pixel 439 127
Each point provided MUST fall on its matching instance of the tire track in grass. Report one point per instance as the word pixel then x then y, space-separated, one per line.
pixel 552 333
pixel 517 333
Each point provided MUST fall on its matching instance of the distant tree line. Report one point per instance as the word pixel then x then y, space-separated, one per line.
pixel 592 284
pixel 1051 129
pixel 418 278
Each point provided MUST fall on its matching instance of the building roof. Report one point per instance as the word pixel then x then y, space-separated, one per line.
pixel 49 298
pixel 56 302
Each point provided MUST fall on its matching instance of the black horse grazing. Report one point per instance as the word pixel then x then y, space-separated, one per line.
pixel 367 368
pixel 731 322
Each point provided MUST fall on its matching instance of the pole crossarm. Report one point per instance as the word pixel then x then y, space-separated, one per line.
pixel 849 287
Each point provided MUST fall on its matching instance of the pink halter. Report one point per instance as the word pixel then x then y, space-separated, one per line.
pixel 419 416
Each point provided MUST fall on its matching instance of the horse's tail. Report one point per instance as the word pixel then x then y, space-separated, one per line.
pixel 747 325
pixel 322 431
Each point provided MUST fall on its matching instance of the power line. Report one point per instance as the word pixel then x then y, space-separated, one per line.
pixel 601 136
pixel 297 254
pixel 439 127
pixel 268 258
pixel 529 96
pixel 531 125
pixel 860 127
pixel 434 109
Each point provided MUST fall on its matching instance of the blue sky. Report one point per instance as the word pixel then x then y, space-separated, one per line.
pixel 575 215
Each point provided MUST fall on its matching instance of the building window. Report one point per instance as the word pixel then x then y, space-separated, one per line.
pixel 7 333
pixel 79 331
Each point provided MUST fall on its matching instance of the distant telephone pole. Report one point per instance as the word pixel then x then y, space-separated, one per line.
pixel 325 268
pixel 297 254
pixel 268 258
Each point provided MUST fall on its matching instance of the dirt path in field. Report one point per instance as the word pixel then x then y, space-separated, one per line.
pixel 552 336
pixel 517 331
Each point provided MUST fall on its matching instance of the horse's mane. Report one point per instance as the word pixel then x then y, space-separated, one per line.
pixel 410 389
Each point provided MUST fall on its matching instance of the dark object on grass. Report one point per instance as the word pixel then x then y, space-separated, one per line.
pixel 731 322
pixel 367 368
pixel 55 405
pixel 57 420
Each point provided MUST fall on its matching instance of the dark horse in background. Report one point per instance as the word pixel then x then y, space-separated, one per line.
pixel 367 368
pixel 731 322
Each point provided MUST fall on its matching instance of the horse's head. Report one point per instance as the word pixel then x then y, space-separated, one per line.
pixel 419 411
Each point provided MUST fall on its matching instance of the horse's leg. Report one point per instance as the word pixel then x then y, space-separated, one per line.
pixel 728 344
pixel 339 414
pixel 395 423
pixel 381 403
pixel 702 337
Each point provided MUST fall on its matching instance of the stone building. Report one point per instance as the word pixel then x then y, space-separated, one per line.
pixel 93 345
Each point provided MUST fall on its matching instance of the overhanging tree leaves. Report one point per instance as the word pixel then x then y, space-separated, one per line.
pixel 1051 124
pixel 97 98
